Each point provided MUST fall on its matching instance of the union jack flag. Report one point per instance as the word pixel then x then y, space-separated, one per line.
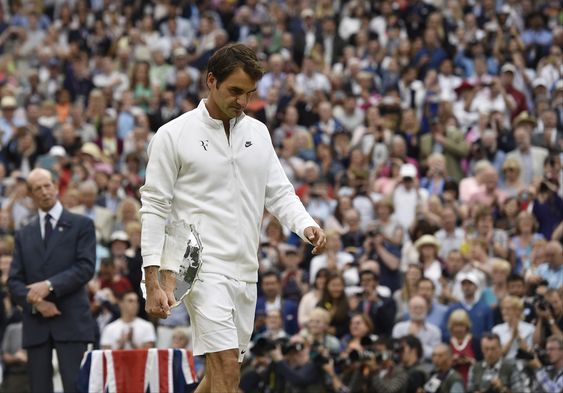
pixel 138 370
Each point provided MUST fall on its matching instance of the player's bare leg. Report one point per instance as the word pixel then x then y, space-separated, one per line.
pixel 222 372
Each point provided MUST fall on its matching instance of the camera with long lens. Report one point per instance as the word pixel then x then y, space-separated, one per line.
pixel 529 355
pixel 264 345
pixel 543 304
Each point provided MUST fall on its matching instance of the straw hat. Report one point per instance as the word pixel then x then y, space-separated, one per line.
pixel 427 240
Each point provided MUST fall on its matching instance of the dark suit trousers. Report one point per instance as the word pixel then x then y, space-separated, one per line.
pixel 40 365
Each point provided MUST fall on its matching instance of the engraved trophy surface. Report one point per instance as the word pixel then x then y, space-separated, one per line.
pixel 189 267
pixel 181 254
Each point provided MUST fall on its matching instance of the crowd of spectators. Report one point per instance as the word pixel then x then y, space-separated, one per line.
pixel 425 136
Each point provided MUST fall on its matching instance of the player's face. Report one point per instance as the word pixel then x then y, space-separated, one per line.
pixel 233 94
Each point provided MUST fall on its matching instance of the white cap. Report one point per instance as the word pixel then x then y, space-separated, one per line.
pixel 119 236
pixel 508 68
pixel 408 170
pixel 57 151
pixel 471 277
pixel 539 82
pixel 8 102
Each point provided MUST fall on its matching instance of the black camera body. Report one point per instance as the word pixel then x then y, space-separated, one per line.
pixel 264 345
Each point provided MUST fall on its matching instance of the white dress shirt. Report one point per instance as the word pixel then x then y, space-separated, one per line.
pixel 55 213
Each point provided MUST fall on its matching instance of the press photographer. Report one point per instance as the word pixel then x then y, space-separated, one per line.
pixel 445 379
pixel 494 374
pixel 293 368
pixel 377 370
pixel 411 360
pixel 549 312
pixel 549 368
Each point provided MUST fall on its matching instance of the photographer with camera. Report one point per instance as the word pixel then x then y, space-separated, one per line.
pixel 294 369
pixel 549 311
pixel 445 379
pixel 387 254
pixel 381 310
pixel 411 360
pixel 377 371
pixel 549 377
pixel 494 374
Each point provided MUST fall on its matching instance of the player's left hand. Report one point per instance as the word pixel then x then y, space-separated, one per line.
pixel 317 238
pixel 37 292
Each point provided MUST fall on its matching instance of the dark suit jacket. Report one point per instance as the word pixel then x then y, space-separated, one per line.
pixel 289 313
pixel 68 262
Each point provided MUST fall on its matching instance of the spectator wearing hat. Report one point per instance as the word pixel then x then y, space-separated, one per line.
pixel 507 74
pixel 110 277
pixel 428 247
pixel 448 140
pixel 478 310
pixel 102 217
pixel 511 184
pixel 407 198
pixel 530 157
pixel 9 121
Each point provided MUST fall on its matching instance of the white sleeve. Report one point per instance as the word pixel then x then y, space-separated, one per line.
pixel 282 201
pixel 157 194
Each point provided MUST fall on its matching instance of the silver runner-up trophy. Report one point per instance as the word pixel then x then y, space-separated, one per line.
pixel 181 254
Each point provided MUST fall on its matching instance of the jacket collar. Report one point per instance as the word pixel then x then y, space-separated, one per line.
pixel 214 123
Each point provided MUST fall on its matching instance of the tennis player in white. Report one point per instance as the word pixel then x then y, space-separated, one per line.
pixel 216 167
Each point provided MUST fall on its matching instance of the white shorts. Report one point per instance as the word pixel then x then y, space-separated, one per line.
pixel 222 313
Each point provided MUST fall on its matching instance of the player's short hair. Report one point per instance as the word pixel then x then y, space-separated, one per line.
pixel 230 57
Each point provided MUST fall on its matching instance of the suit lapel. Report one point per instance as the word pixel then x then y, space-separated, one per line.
pixel 59 231
pixel 36 238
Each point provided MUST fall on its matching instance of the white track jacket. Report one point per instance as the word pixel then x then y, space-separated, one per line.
pixel 222 186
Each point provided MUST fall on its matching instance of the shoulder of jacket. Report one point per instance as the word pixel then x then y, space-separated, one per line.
pixel 177 125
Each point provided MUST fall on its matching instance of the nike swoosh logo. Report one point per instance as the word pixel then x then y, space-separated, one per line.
pixel 248 144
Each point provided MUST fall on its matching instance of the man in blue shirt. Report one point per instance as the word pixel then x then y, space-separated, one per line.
pixel 436 311
pixel 479 312
pixel 552 269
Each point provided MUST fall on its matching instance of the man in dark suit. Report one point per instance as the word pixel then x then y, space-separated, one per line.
pixel 54 257
pixel 272 298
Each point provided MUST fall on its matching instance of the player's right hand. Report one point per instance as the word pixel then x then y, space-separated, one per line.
pixel 157 304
